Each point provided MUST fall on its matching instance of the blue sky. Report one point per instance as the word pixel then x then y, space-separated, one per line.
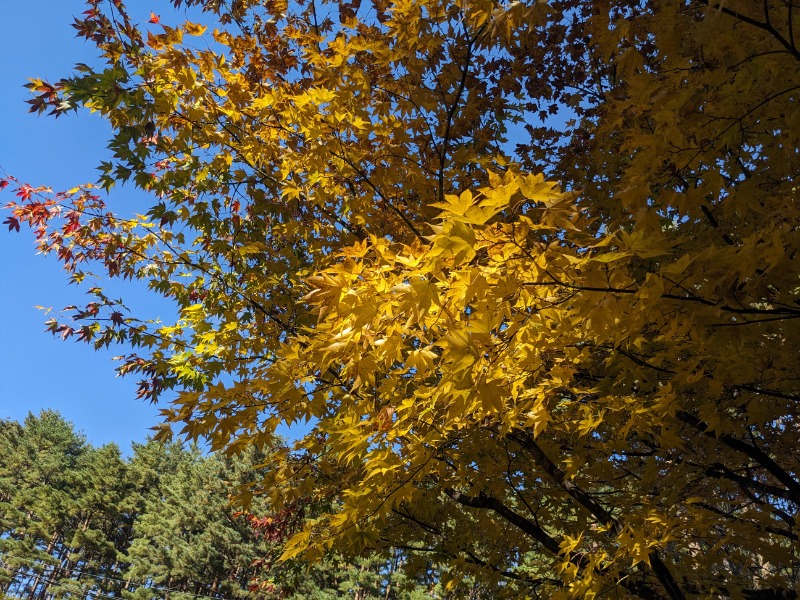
pixel 37 370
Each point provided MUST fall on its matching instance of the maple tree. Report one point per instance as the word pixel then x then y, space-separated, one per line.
pixel 527 270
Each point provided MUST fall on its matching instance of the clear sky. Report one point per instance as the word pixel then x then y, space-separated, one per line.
pixel 38 371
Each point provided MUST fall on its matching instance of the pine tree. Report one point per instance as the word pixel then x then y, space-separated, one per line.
pixel 82 521
pixel 38 466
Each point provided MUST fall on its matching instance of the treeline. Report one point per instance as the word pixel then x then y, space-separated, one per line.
pixel 78 521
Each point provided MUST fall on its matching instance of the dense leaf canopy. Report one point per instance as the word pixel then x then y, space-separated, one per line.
pixel 529 272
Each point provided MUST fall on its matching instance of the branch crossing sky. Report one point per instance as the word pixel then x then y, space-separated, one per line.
pixel 37 370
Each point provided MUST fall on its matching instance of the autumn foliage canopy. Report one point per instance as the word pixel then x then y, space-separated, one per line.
pixel 527 270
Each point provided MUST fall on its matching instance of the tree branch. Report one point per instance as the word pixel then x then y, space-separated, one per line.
pixel 763 25
pixel 585 500
pixel 758 455
pixel 484 501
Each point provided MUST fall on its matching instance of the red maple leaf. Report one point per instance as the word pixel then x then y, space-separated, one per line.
pixel 3 183
pixel 154 18
pixel 25 191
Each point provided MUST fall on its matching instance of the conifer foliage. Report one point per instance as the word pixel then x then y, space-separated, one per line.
pixel 528 270
pixel 77 521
